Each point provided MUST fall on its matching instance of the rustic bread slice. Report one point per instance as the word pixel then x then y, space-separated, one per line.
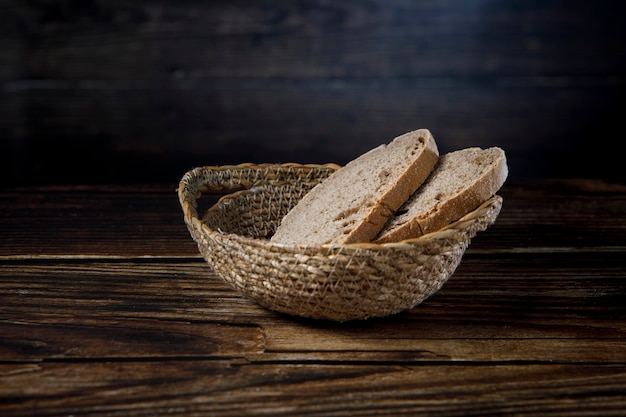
pixel 354 203
pixel 460 182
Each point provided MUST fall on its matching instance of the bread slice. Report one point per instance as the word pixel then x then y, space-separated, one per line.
pixel 353 204
pixel 460 182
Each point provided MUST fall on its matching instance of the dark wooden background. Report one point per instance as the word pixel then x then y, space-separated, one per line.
pixel 141 91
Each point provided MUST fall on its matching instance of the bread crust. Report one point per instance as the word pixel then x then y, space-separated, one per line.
pixel 447 195
pixel 355 202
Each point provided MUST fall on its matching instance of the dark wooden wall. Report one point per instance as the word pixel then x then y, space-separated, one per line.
pixel 135 91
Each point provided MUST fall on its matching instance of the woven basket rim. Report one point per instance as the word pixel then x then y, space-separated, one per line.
pixel 192 219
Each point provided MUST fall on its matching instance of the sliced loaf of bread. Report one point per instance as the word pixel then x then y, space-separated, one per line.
pixel 460 182
pixel 354 203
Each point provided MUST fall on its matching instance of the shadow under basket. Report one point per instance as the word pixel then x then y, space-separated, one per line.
pixel 337 281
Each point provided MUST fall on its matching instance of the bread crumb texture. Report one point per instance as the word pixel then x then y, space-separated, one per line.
pixel 354 203
pixel 459 183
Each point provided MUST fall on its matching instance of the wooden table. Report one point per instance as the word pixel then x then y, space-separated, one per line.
pixel 107 309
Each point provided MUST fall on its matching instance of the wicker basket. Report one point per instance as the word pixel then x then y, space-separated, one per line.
pixel 336 282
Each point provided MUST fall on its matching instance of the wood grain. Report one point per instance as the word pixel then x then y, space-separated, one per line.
pixel 505 313
pixel 158 87
pixel 308 39
pixel 224 388
pixel 146 221
pixel 224 122
pixel 106 309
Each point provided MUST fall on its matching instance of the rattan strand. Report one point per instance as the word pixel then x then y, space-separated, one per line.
pixel 335 282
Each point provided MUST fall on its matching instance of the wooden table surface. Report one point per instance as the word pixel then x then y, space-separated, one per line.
pixel 107 309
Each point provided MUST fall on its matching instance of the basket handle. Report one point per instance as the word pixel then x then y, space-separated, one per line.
pixel 242 176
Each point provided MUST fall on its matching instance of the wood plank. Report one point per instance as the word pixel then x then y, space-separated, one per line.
pixel 494 309
pixel 121 317
pixel 223 388
pixel 11 45
pixel 132 222
pixel 560 215
pixel 99 310
pixel 125 222
pixel 573 289
pixel 160 40
pixel 128 339
pixel 160 86
pixel 490 311
pixel 158 133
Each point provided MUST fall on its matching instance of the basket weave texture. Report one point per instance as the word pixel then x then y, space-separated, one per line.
pixel 336 282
